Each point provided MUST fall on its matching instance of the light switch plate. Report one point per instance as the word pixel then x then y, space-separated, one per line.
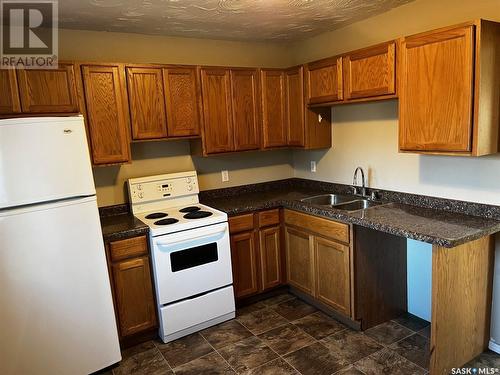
pixel 225 176
pixel 313 166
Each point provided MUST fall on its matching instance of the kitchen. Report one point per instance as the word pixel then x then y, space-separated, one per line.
pixel 265 208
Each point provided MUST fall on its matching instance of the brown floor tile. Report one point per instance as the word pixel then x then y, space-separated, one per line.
pixel 279 298
pixel 412 322
pixel 414 348
pixel 351 370
pixel 211 364
pixel 225 334
pixel 387 362
pixel 286 339
pixel 388 332
pixel 262 320
pixel 426 332
pixel 315 359
pixel 488 359
pixel 185 349
pixel 351 346
pixel 129 352
pixel 247 354
pixel 319 325
pixel 250 308
pixel 275 367
pixel 149 362
pixel 294 309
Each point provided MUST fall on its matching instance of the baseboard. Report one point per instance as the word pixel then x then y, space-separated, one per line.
pixel 494 346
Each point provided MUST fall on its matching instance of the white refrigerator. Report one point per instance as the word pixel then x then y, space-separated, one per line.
pixel 56 309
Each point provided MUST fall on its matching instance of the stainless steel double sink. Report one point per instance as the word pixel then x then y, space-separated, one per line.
pixel 341 202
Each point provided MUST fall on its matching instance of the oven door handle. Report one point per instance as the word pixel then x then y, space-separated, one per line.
pixel 207 232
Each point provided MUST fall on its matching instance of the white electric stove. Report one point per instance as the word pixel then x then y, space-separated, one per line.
pixel 190 252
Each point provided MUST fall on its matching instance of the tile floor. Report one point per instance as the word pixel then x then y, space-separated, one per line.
pixel 284 335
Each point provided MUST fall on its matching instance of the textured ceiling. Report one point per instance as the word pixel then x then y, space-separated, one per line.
pixel 220 19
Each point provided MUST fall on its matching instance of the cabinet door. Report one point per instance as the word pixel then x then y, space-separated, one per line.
pixel 9 100
pixel 107 114
pixel 370 72
pixel 146 103
pixel 245 109
pixel 244 260
pixel 182 100
pixel 332 274
pixel 273 108
pixel 436 98
pixel 218 127
pixel 134 296
pixel 270 257
pixel 48 90
pixel 324 81
pixel 300 260
pixel 295 107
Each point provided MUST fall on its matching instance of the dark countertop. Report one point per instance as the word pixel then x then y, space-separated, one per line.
pixel 120 226
pixel 436 226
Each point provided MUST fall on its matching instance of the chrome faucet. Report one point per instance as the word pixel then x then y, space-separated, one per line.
pixel 355 182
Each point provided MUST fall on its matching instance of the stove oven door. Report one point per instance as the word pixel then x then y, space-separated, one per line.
pixel 192 262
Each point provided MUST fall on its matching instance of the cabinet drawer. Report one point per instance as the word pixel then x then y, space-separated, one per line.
pixel 240 223
pixel 325 227
pixel 267 218
pixel 132 247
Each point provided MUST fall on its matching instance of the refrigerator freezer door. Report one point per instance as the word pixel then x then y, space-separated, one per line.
pixel 56 310
pixel 43 159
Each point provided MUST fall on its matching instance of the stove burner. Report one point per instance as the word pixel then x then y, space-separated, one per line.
pixel 168 221
pixel 190 209
pixel 197 215
pixel 156 215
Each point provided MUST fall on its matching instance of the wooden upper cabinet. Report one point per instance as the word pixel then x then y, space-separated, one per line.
pixel 146 102
pixel 274 131
pixel 437 91
pixel 295 125
pixel 218 127
pixel 370 72
pixel 449 95
pixel 324 81
pixel 245 109
pixel 9 98
pixel 107 112
pixel 48 90
pixel 182 98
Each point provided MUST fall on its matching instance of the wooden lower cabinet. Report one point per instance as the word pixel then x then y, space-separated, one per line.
pixel 244 260
pixel 300 260
pixel 270 257
pixel 332 274
pixel 132 286
pixel 318 259
pixel 255 252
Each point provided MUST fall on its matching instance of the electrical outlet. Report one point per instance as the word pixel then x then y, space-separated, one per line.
pixel 313 166
pixel 225 176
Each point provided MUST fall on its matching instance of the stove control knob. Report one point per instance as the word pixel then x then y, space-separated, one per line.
pixel 188 180
pixel 141 195
pixel 139 187
pixel 190 187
